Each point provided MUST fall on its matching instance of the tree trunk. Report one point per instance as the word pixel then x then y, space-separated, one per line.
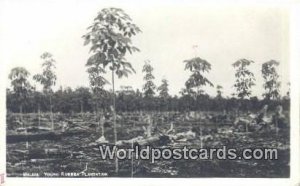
pixel 239 106
pixel 132 164
pixel 39 115
pixel 51 116
pixel 21 114
pixel 149 127
pixel 81 108
pixel 276 124
pixel 197 98
pixel 114 116
pixel 201 141
pixel 97 119
pixel 102 120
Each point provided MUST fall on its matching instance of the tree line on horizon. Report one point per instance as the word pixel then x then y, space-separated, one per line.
pixel 109 38
pixel 150 98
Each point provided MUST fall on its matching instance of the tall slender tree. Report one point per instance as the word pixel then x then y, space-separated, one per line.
pixel 97 82
pixel 21 86
pixel 164 93
pixel 110 38
pixel 197 80
pixel 47 78
pixel 149 86
pixel 220 100
pixel 270 76
pixel 244 80
pixel 164 89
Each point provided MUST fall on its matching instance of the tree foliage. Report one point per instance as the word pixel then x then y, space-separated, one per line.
pixel 197 80
pixel 270 76
pixel 164 89
pixel 67 100
pixel 110 39
pixel 48 77
pixel 20 84
pixel 149 86
pixel 244 78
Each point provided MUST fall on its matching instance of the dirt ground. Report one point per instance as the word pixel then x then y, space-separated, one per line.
pixel 73 152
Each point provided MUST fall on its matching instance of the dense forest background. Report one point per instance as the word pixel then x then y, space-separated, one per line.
pixel 82 99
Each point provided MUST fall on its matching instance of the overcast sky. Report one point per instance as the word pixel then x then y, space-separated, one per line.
pixel 223 35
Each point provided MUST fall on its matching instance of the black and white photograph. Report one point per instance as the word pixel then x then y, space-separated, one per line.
pixel 117 89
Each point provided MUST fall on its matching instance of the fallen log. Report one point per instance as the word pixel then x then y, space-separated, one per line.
pixel 48 153
pixel 158 140
pixel 16 138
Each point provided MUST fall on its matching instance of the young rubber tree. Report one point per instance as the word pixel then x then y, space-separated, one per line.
pixel 164 91
pixel 244 79
pixel 21 86
pixel 197 80
pixel 270 76
pixel 219 99
pixel 47 78
pixel 149 86
pixel 110 38
pixel 97 82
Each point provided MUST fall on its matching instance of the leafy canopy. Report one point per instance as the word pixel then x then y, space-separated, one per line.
pixel 198 67
pixel 244 78
pixel 164 89
pixel 48 77
pixel 149 87
pixel 110 40
pixel 270 76
pixel 20 84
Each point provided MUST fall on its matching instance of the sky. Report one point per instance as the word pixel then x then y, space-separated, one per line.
pixel 223 34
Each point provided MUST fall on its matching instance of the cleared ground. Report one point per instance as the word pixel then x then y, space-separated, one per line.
pixel 72 150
